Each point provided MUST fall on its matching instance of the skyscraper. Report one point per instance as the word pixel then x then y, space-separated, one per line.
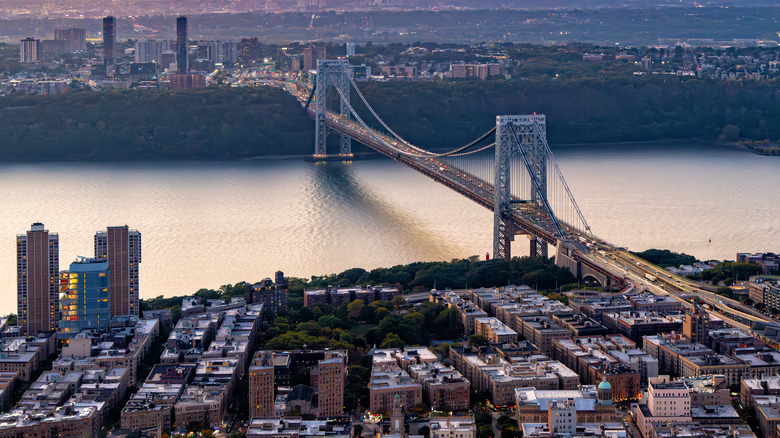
pixel 76 38
pixel 181 44
pixel 248 50
pixel 121 248
pixel 37 280
pixel 28 50
pixel 311 55
pixel 147 51
pixel 84 302
pixel 109 40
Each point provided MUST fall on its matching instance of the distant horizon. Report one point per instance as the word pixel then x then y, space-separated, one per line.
pixel 634 26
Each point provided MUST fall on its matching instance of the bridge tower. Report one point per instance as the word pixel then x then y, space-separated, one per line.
pixel 331 73
pixel 518 135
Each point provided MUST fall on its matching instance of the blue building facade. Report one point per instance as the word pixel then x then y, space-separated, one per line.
pixel 84 297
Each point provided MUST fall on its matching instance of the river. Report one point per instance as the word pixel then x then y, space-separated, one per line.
pixel 205 224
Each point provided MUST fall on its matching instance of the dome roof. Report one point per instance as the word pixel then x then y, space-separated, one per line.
pixel 605 385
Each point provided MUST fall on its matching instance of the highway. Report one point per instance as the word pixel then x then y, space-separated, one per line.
pixel 680 288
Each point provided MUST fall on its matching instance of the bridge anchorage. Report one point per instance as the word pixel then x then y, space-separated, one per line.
pixel 516 176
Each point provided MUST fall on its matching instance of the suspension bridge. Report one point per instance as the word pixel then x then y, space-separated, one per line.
pixel 510 170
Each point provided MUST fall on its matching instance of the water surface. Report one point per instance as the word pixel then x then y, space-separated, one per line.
pixel 207 224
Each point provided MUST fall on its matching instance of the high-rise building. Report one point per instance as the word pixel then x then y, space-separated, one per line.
pixel 331 373
pixel 271 293
pixel 37 280
pixel 50 49
pixel 182 61
pixel 121 248
pixel 28 50
pixel 109 40
pixel 147 51
pixel 184 81
pixel 84 299
pixel 311 55
pixel 350 49
pixel 261 385
pixel 229 52
pixel 249 50
pixel 75 37
pixel 208 50
pixel 696 326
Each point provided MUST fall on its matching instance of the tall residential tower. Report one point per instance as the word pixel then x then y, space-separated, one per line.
pixel 121 248
pixel 109 40
pixel 37 280
pixel 181 44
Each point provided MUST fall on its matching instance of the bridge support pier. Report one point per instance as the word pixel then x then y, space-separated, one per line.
pixel 566 257
pixel 331 73
pixel 538 247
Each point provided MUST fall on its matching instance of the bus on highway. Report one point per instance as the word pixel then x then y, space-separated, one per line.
pixel 651 277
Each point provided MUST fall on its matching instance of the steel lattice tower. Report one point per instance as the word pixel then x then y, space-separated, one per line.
pixel 517 135
pixel 331 72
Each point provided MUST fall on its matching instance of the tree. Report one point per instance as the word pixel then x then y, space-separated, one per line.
pixel 392 340
pixel 726 292
pixel 195 426
pixel 398 301
pixel 729 133
pixel 477 341
pixel 355 308
pixel 421 409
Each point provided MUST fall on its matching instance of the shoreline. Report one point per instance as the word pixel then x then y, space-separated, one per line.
pixel 371 154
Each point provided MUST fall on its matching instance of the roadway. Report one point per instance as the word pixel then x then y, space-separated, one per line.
pixel 667 284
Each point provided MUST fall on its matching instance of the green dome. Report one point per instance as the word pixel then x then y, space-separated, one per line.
pixel 605 385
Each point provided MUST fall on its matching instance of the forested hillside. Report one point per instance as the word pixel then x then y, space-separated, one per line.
pixel 235 123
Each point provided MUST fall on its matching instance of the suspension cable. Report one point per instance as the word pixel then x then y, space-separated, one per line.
pixel 406 143
pixel 537 185
pixel 371 131
pixel 423 153
pixel 311 96
pixel 565 185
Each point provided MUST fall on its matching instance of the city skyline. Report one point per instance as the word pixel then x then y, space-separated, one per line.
pixel 612 165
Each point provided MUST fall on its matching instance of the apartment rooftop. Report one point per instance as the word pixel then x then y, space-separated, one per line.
pixel 645 318
pixel 674 384
pixel 709 412
pixel 496 326
pixel 391 376
pixel 18 418
pixel 436 373
pixel 714 359
pixel 584 399
pixel 453 424
pixel 274 427
pixel 760 358
pixel 772 383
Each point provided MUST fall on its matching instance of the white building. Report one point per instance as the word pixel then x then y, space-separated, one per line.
pixel 449 427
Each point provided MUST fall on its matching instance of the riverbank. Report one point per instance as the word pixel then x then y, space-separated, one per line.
pixel 768 148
